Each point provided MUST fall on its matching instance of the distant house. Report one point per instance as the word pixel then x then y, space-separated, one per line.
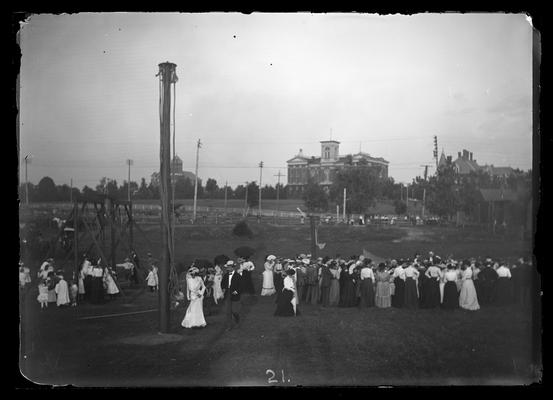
pixel 465 164
pixel 501 206
pixel 323 169
pixel 176 171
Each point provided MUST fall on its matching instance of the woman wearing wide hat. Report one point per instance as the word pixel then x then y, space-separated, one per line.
pixel 194 317
pixel 287 305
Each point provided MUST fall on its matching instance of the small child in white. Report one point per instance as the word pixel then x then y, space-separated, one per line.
pixel 62 292
pixel 152 279
pixel 73 293
pixel 42 294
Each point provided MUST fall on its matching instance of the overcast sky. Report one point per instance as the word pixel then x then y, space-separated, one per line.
pixel 259 87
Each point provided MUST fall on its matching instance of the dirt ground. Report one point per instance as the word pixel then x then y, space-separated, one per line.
pixel 118 344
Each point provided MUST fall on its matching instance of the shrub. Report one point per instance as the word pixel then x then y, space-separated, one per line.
pixel 242 229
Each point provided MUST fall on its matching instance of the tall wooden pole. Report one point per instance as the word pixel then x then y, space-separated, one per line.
pixel 423 200
pixel 313 238
pixel 76 235
pixel 167 76
pixel 260 187
pixel 246 201
pixel 225 198
pixel 27 160
pixel 344 211
pixel 196 181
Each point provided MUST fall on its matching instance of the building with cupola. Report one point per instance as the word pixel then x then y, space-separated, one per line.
pixel 322 170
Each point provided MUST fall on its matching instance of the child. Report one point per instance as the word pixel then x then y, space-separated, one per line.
pixel 62 292
pixel 151 279
pixel 111 286
pixel 73 293
pixel 42 294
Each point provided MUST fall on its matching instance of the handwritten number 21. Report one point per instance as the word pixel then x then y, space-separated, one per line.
pixel 272 373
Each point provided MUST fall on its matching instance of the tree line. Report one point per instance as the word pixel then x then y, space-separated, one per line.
pixel 47 191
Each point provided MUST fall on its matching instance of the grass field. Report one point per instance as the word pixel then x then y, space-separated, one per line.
pixel 323 346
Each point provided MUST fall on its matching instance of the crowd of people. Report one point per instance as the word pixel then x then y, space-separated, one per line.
pixel 418 282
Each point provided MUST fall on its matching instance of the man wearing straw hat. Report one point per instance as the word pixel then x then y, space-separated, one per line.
pixel 231 284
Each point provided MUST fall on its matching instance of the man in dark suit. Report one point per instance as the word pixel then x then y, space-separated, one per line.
pixel 231 284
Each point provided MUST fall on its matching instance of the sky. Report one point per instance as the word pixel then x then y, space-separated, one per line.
pixel 260 87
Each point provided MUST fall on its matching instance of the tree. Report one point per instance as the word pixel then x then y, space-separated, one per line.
pixel 253 194
pixel 211 187
pixel 315 197
pixel 143 192
pixel 443 198
pixel 268 192
pixel 400 207
pixel 47 190
pixel 362 188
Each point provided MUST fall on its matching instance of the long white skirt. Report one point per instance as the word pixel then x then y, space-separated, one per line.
pixel 218 293
pixel 467 296
pixel 194 314
pixel 268 288
pixel 442 284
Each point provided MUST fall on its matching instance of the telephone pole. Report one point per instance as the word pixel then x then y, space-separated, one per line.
pixel 196 181
pixel 278 187
pixel 226 197
pixel 129 163
pixel 167 76
pixel 344 211
pixel 436 150
pixel 27 161
pixel 425 170
pixel 246 200
pixel 260 177
pixel 71 191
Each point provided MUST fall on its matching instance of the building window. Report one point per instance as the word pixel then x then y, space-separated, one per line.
pixel 327 152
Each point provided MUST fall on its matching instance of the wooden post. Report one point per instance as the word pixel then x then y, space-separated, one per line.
pixel 167 76
pixel 344 211
pixel 112 233
pixel 76 234
pixel 131 236
pixel 313 244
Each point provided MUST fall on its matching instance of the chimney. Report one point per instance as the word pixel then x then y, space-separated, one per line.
pixel 471 156
pixel 465 154
pixel 449 158
pixel 458 154
pixel 300 153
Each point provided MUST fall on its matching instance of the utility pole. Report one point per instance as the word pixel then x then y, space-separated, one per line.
pixel 196 182
pixel 424 200
pixel 129 163
pixel 246 201
pixel 27 161
pixel 436 150
pixel 407 198
pixel 167 76
pixel 278 188
pixel 260 188
pixel 225 197
pixel 425 170
pixel 344 211
pixel 71 191
pixel 401 191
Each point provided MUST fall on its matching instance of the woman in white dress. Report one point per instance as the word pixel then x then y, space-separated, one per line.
pixel 467 295
pixel 109 283
pixel 62 292
pixel 194 316
pixel 218 293
pixel 268 287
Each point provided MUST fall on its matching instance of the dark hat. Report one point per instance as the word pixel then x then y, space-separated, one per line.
pixel 290 271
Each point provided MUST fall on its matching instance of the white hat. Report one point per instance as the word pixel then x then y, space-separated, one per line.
pixel 229 263
pixel 271 258
pixel 305 261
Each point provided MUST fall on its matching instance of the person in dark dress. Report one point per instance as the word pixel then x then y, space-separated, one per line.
pixel 398 274
pixel 432 296
pixel 278 278
pixel 503 288
pixel 246 267
pixel 349 298
pixel 486 281
pixel 451 295
pixel 422 285
pixel 326 276
pixel 285 304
